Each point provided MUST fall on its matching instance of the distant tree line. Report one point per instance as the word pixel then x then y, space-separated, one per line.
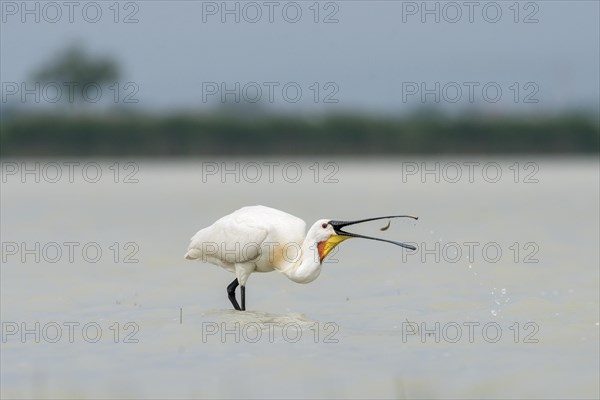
pixel 215 134
pixel 239 131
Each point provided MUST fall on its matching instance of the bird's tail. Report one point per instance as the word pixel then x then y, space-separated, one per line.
pixel 193 254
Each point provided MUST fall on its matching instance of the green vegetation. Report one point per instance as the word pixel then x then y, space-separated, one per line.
pixel 221 134
pixel 245 132
pixel 75 66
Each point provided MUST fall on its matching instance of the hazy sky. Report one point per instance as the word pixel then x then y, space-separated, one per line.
pixel 378 56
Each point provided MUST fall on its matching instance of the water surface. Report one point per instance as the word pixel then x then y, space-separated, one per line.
pixel 355 332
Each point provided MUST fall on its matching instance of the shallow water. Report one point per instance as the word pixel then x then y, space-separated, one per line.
pixel 365 328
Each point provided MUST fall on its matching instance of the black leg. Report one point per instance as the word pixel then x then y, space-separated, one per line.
pixel 243 290
pixel 231 294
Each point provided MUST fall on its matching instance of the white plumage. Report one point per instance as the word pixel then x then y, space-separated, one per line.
pixel 263 239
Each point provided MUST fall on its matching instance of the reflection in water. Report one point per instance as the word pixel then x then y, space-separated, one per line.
pixel 257 317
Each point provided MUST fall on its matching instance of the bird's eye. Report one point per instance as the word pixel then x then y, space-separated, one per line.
pixel 324 226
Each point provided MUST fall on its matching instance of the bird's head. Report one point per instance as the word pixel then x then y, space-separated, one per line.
pixel 327 234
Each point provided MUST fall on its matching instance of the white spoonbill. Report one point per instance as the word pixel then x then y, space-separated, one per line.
pixel 263 239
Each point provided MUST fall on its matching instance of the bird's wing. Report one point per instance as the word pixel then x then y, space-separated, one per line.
pixel 235 238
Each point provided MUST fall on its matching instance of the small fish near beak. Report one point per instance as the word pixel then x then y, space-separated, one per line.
pixel 338 225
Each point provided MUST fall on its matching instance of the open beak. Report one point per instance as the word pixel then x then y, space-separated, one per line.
pixel 338 225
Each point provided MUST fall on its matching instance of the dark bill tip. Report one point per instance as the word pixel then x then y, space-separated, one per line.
pixel 338 225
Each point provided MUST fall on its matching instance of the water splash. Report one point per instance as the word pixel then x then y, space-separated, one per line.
pixel 499 297
pixel 257 317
